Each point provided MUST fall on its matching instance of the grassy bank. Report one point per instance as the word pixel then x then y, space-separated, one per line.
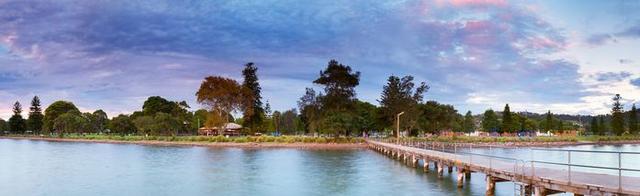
pixel 212 139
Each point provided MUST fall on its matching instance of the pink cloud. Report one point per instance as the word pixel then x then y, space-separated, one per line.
pixel 476 3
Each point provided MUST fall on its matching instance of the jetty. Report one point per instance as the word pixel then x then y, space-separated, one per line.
pixel 530 177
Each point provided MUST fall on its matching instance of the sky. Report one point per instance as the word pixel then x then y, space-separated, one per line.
pixel 568 56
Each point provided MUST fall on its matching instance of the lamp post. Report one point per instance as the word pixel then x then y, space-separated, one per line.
pixel 398 126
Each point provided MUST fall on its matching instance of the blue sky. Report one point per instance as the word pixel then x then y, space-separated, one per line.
pixel 564 56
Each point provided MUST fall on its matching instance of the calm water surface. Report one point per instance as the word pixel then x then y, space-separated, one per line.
pixel 59 168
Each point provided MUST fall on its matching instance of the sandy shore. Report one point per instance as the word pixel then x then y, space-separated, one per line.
pixel 328 146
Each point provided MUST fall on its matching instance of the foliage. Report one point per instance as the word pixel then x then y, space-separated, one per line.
pixel 3 126
pixel 122 125
pixel 165 124
pixel 365 117
pixel 435 117
pixel 548 125
pixel 144 125
pixel 595 128
pixel 337 123
pixel 602 126
pixel 289 122
pixel 199 118
pixel 157 104
pixel 222 95
pixel 253 114
pixel 633 120
pixel 469 124
pixel 310 111
pixel 617 117
pixel 490 121
pixel 54 110
pixel 338 101
pixel 177 109
pixel 399 95
pixel 507 121
pixel 159 124
pixel 70 122
pixel 17 124
pixel 339 86
pixel 98 121
pixel 35 121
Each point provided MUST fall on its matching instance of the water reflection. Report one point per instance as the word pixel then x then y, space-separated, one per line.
pixel 58 168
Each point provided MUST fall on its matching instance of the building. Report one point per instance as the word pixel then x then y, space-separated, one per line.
pixel 230 129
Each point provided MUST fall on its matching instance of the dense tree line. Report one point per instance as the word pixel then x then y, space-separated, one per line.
pixel 334 110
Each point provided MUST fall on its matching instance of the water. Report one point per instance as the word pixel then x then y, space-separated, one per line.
pixel 613 160
pixel 59 168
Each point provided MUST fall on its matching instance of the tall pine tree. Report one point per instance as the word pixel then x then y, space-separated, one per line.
pixel 253 114
pixel 399 95
pixel 507 121
pixel 35 116
pixel 548 121
pixel 617 117
pixel 17 124
pixel 469 124
pixel 633 120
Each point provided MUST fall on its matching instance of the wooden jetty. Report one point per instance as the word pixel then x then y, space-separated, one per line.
pixel 529 178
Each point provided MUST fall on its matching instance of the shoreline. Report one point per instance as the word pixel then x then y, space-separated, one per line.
pixel 319 146
pixel 300 145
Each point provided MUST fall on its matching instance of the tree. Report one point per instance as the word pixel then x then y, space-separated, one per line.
pixel 633 120
pixel 365 117
pixel 617 117
pixel 122 125
pixel 507 121
pixel 435 118
pixel 469 124
pixel 520 122
pixel 490 121
pixel 157 104
pixel 223 96
pixel 399 95
pixel 289 122
pixel 337 123
pixel 165 124
pixel 548 126
pixel 3 126
pixel 144 125
pixel 594 126
pixel 17 124
pixel 275 118
pixel 199 118
pixel 35 116
pixel 339 83
pixel 602 127
pixel 54 110
pixel 98 120
pixel 310 111
pixel 253 114
pixel 69 122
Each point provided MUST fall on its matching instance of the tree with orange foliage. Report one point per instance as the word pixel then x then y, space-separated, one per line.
pixel 222 96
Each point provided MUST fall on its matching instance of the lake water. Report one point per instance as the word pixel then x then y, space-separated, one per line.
pixel 62 168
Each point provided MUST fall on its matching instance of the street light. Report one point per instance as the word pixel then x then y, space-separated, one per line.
pixel 398 125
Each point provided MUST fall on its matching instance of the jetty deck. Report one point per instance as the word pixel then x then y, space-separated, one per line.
pixel 532 179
